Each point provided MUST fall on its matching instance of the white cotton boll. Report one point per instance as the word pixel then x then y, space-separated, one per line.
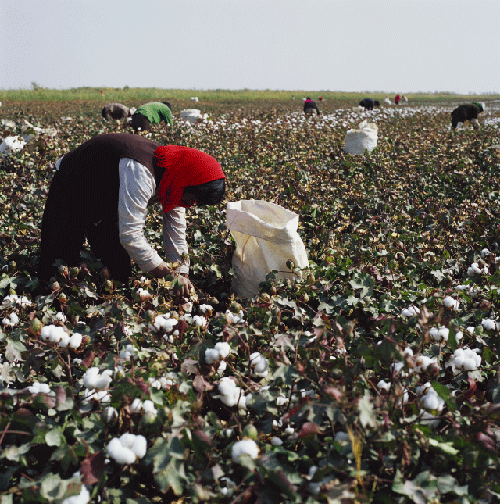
pixel 136 443
pixel 57 334
pixel 439 334
pixel 45 332
pixel 488 324
pixel 60 317
pixel 384 385
pixel 431 401
pixel 39 388
pixel 470 330
pixel 408 352
pixel 276 441
pixel 64 341
pixel 128 353
pixel 289 430
pixel 200 321
pixel 136 405
pixel 259 364
pixel 82 498
pixel 143 294
pixel 211 355
pixel 245 446
pixel 205 308
pixel 75 341
pixel 451 303
pixel 90 377
pixel 484 252
pixel 410 311
pixel 120 453
pixel 281 400
pixel 104 380
pixel 223 348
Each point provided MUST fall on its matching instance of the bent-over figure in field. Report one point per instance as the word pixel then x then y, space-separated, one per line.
pixel 115 111
pixel 467 112
pixel 101 190
pixel 368 103
pixel 310 106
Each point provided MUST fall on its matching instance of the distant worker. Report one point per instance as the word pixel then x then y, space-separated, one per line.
pixel 467 112
pixel 397 99
pixel 310 106
pixel 115 111
pixel 368 103
pixel 150 114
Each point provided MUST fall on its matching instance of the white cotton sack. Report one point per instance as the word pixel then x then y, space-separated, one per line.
pixel 363 139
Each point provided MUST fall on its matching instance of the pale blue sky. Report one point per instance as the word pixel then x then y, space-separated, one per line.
pixel 339 45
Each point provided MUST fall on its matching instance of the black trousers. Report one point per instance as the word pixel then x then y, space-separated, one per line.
pixel 65 224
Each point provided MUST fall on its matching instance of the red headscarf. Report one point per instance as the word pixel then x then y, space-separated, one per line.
pixel 184 167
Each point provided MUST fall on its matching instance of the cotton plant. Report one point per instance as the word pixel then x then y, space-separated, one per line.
pixel 127 449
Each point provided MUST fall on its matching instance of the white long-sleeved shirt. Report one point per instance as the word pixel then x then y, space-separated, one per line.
pixel 137 190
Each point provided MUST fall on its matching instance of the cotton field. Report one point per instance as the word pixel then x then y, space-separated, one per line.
pixel 369 376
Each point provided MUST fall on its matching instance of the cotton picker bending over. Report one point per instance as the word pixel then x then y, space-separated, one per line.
pixel 467 112
pixel 102 190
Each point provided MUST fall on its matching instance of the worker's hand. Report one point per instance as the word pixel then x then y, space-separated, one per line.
pixel 181 284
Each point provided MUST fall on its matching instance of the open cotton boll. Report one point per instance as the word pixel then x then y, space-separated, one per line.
pixel 64 341
pixel 244 447
pixel 75 341
pixel 451 303
pixel 423 363
pixel 120 453
pixel 223 348
pixel 259 364
pixel 230 394
pixel 11 320
pixel 136 443
pixel 439 334
pixel 39 388
pixel 204 308
pixel 475 269
pixel 384 385
pixel 59 316
pixel 165 323
pixel 92 379
pixel 128 353
pixel 200 320
pixel 488 324
pixel 410 311
pixel 211 355
pixel 431 401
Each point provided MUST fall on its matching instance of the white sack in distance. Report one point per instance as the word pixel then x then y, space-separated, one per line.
pixel 360 140
pixel 192 115
pixel 266 238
